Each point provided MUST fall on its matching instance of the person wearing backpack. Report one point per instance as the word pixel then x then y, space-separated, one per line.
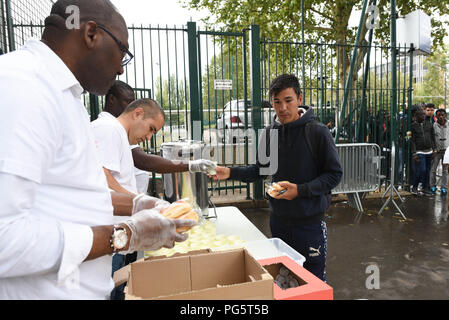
pixel 308 167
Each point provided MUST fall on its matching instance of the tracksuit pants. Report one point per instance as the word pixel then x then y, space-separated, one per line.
pixel 309 240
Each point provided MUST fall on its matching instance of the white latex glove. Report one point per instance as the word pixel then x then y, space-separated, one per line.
pixel 204 166
pixel 144 202
pixel 152 231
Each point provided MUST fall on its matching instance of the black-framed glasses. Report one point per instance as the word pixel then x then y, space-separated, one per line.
pixel 128 55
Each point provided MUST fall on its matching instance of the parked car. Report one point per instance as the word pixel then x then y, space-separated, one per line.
pixel 231 123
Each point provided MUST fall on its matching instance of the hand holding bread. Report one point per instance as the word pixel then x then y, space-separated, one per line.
pixel 181 210
pixel 283 190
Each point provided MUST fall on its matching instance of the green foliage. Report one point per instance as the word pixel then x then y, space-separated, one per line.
pixel 324 19
pixel 172 96
pixel 435 85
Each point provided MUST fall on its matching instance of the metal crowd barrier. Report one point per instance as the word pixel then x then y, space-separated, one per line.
pixel 361 164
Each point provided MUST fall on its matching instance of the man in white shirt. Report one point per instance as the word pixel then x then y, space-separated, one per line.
pixel 113 137
pixel 57 213
pixel 119 96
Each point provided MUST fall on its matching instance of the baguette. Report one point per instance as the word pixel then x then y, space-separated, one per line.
pixel 191 215
pixel 180 210
pixel 177 209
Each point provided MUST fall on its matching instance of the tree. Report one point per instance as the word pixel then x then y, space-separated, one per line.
pixel 433 88
pixel 172 96
pixel 325 20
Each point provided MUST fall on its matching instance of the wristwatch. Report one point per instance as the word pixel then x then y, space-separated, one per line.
pixel 119 239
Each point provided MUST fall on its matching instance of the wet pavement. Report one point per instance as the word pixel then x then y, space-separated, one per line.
pixel 373 256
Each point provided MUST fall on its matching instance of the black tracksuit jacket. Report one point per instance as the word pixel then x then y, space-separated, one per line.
pixel 296 165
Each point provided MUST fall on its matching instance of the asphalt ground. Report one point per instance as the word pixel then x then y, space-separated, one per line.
pixel 372 256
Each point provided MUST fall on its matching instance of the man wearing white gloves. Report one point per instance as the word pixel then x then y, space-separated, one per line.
pixel 56 222
pixel 113 137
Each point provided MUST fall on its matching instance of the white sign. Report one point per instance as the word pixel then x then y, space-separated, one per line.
pixel 415 28
pixel 223 84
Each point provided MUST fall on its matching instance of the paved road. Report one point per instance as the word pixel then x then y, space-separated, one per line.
pixel 411 256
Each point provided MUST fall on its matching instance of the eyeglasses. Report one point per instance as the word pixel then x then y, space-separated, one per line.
pixel 128 55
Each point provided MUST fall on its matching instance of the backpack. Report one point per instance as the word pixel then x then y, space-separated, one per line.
pixel 310 135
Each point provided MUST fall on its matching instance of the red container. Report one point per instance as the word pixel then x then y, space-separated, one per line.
pixel 311 287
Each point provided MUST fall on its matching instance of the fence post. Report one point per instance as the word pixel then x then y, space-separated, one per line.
pixel 94 107
pixel 9 23
pixel 409 115
pixel 4 46
pixel 256 95
pixel 351 71
pixel 195 109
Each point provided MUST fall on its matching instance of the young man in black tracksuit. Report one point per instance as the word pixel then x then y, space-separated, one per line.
pixel 297 216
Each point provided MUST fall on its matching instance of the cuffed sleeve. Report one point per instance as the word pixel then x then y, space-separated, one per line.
pixel 78 240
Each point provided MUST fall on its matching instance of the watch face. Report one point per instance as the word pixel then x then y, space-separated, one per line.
pixel 120 239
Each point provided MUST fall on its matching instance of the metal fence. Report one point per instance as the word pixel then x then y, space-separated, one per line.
pixel 361 163
pixel 366 117
pixel 18 20
pixel 180 66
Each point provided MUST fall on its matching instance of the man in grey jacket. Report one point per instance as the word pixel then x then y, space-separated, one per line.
pixel 441 129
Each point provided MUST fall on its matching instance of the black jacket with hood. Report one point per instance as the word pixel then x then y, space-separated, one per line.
pixel 296 164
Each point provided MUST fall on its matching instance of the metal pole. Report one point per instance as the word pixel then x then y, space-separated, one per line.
pixel 409 112
pixel 303 54
pixel 94 107
pixel 445 87
pixel 256 98
pixel 9 22
pixel 393 113
pixel 195 112
pixel 351 71
pixel 4 48
pixel 361 132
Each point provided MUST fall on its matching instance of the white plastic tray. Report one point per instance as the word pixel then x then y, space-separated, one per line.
pixel 271 248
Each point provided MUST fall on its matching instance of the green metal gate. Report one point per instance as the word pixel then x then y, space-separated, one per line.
pixel 224 106
pixel 180 67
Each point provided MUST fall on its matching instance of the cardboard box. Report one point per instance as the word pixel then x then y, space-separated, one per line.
pixel 199 275
pixel 310 287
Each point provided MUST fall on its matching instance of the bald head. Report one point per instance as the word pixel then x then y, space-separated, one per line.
pixel 93 49
pixel 102 12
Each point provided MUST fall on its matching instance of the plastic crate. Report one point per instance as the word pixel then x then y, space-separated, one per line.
pixel 272 248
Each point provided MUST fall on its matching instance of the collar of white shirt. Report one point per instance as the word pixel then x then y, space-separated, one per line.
pixel 64 78
pixel 105 114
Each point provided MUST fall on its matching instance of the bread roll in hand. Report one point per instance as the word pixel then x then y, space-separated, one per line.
pixel 275 189
pixel 180 210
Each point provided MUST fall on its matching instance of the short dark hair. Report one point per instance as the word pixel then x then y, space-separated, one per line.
pixel 117 89
pixel 416 108
pixel 284 81
pixel 430 105
pixel 440 111
pixel 151 108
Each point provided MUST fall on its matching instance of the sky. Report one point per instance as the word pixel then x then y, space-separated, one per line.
pixel 154 12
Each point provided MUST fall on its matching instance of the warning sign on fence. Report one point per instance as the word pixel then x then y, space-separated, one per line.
pixel 223 84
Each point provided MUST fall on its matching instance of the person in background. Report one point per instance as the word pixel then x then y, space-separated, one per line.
pixel 422 148
pixel 441 129
pixel 297 216
pixel 57 211
pixel 430 112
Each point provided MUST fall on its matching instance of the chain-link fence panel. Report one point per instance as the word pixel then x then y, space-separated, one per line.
pixel 21 20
